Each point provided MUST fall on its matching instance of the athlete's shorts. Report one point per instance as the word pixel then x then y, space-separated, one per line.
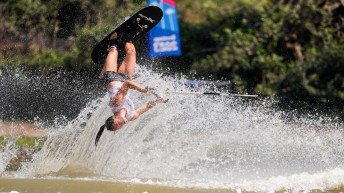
pixel 110 76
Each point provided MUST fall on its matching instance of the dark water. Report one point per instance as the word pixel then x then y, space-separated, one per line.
pixel 28 95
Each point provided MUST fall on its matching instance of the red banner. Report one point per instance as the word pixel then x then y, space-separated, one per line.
pixel 170 2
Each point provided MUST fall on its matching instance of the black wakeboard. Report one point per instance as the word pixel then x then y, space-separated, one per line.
pixel 137 25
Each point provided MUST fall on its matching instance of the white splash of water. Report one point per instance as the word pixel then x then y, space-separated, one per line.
pixel 197 140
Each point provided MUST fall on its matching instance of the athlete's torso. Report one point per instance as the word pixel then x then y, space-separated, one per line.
pixel 127 103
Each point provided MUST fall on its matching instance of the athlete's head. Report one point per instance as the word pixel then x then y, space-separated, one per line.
pixel 118 121
pixel 112 123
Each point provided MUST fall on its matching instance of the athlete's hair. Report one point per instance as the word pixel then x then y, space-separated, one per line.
pixel 108 126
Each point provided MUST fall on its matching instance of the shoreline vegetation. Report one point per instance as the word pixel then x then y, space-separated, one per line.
pixel 292 51
pixel 23 137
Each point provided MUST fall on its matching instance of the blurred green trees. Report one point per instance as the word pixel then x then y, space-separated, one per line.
pixel 50 35
pixel 288 49
pixel 292 49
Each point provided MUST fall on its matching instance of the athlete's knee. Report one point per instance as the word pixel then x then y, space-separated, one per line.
pixel 130 48
pixel 131 51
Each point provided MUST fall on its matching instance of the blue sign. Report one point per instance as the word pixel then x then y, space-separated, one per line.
pixel 164 39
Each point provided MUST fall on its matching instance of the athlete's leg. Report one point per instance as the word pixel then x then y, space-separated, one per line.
pixel 111 59
pixel 129 63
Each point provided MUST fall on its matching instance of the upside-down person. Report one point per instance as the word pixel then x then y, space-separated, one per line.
pixel 118 82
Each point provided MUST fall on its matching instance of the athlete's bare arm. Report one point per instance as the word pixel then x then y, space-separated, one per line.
pixel 150 104
pixel 128 84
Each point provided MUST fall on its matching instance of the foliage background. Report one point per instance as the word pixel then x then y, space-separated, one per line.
pixel 292 50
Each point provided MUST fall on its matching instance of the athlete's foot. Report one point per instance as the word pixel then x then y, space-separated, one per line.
pixel 120 41
pixel 113 36
pixel 113 41
pixel 127 38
